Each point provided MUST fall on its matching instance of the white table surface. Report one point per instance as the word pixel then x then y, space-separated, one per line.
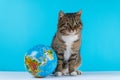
pixel 5 75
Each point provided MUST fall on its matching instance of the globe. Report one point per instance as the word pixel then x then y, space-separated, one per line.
pixel 40 61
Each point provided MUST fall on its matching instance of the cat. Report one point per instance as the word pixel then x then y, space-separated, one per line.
pixel 66 43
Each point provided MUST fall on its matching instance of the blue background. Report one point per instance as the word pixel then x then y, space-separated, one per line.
pixel 26 23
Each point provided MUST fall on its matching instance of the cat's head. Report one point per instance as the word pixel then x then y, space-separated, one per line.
pixel 69 23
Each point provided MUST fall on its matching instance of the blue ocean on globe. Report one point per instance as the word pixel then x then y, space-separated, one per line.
pixel 41 61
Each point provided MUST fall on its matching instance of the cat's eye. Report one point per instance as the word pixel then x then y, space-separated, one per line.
pixel 78 22
pixel 68 24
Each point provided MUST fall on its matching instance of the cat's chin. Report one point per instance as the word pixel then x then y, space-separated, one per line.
pixel 69 33
pixel 72 33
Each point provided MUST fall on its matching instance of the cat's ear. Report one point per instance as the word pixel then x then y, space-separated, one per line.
pixel 61 14
pixel 79 13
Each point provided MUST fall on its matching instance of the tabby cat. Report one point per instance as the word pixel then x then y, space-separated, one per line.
pixel 66 43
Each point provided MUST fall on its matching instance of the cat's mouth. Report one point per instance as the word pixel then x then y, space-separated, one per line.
pixel 71 32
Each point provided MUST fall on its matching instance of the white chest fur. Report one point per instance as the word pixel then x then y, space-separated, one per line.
pixel 69 40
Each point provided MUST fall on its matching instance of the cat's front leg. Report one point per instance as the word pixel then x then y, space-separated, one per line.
pixel 72 64
pixel 59 68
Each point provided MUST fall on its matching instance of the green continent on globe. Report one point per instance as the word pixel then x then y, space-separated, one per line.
pixel 49 54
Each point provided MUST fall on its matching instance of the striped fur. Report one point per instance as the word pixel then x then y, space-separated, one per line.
pixel 66 43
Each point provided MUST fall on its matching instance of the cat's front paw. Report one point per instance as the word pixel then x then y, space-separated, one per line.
pixel 58 73
pixel 74 73
pixel 79 72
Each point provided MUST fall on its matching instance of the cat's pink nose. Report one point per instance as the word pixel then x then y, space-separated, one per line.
pixel 72 31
